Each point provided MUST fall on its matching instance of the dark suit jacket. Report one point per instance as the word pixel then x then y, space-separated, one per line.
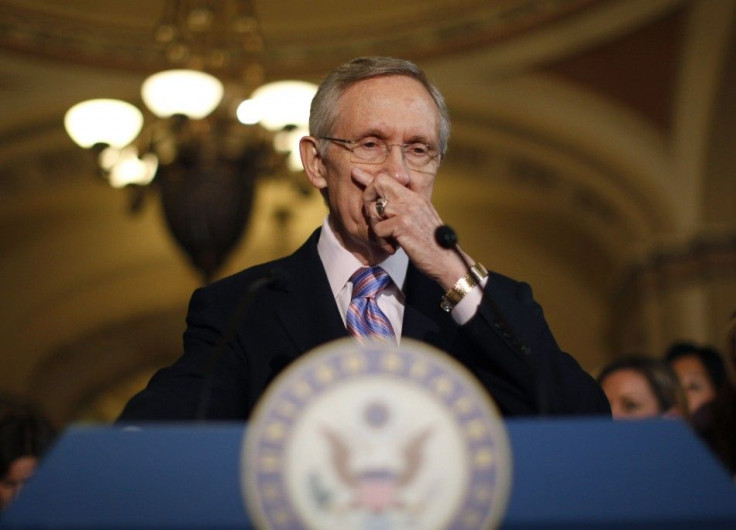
pixel 507 344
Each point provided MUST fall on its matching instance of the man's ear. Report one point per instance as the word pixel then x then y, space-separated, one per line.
pixel 312 162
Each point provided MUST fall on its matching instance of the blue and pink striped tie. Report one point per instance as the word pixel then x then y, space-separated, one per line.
pixel 365 320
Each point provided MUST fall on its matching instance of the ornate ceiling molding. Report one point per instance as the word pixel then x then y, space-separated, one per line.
pixel 297 42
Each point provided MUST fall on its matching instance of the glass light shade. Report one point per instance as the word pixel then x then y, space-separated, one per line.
pixel 248 112
pixel 282 103
pixel 288 142
pixel 103 121
pixel 188 92
pixel 124 166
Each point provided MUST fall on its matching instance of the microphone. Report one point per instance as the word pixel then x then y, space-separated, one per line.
pixel 447 238
pixel 272 278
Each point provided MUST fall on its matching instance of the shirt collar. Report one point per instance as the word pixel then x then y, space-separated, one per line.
pixel 340 264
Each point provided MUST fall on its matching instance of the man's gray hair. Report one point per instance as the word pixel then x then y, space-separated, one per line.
pixel 323 110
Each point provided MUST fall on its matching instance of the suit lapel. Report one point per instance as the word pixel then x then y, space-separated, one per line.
pixel 306 308
pixel 423 318
pixel 308 314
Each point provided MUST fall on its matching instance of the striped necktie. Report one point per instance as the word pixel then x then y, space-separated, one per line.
pixel 365 320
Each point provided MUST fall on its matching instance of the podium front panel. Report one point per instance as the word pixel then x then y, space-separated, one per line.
pixel 585 473
pixel 571 473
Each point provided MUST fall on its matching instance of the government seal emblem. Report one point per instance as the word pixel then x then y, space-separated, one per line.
pixel 376 437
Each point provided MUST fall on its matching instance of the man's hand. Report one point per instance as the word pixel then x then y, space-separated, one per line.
pixel 409 220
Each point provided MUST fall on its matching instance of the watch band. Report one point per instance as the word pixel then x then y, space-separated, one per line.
pixel 463 286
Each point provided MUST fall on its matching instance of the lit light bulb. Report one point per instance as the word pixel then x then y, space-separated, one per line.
pixel 189 92
pixel 103 121
pixel 279 104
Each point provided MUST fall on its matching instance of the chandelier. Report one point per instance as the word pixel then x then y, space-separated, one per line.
pixel 200 145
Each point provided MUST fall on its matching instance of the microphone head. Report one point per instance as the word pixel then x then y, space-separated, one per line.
pixel 445 237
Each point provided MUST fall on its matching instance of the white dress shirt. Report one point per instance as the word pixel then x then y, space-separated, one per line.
pixel 340 265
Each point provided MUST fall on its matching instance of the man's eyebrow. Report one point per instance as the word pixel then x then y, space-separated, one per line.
pixel 371 132
pixel 417 138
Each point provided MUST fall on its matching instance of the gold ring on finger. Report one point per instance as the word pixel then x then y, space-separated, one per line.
pixel 381 206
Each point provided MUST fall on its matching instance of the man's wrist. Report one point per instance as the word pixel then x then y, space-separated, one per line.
pixel 463 286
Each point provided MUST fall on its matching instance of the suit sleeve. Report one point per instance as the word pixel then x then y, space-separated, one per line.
pixel 520 360
pixel 175 392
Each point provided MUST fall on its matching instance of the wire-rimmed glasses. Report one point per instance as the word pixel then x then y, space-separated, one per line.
pixel 371 150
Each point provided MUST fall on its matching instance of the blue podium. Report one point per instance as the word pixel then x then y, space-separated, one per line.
pixel 572 473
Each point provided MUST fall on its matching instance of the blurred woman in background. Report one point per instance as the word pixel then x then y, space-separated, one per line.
pixel 703 374
pixel 639 386
pixel 24 438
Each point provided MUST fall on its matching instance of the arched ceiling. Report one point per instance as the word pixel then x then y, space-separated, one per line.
pixel 581 135
pixel 304 38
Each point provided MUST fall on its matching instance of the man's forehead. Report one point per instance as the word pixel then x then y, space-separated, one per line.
pixel 378 104
pixel 402 83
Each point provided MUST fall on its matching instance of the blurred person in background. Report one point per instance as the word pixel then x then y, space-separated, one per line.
pixel 24 438
pixel 703 375
pixel 730 351
pixel 639 386
pixel 727 445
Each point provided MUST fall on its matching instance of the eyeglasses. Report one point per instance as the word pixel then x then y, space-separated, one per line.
pixel 372 150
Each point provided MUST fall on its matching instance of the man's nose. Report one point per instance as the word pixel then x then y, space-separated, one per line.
pixel 396 164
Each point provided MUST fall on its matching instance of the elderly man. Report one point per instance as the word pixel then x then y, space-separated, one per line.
pixel 378 132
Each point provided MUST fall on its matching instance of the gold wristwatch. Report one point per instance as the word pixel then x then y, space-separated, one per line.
pixel 463 286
